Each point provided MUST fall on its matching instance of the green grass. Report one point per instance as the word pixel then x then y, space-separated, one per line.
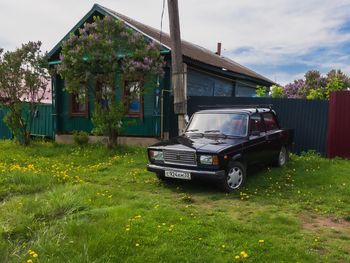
pixel 71 204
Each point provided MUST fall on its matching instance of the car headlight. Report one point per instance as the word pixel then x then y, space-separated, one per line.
pixel 156 155
pixel 209 159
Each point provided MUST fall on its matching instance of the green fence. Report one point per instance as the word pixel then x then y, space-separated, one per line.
pixel 5 133
pixel 42 123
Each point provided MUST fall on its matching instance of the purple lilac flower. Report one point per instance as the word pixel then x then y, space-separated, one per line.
pixel 293 90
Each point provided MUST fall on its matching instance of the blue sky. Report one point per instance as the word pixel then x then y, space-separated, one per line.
pixel 280 39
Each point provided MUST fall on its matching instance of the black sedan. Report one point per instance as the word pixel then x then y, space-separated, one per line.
pixel 220 144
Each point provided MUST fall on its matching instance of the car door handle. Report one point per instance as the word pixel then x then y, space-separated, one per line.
pixel 268 139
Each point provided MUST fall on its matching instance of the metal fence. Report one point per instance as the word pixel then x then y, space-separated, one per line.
pixel 42 123
pixel 308 118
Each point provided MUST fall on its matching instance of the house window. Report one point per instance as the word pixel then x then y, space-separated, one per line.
pixel 133 98
pixel 104 94
pixel 245 89
pixel 79 103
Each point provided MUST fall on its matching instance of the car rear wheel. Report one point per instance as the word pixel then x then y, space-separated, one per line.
pixel 283 157
pixel 235 177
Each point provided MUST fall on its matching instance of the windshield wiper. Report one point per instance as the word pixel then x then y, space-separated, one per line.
pixel 211 131
pixel 193 130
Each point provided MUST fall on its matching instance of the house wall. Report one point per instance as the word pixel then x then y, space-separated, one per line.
pixel 202 83
pixel 148 125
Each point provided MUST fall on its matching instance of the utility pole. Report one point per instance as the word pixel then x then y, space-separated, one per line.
pixel 177 75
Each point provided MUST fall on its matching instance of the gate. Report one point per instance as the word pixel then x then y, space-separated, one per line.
pixel 339 125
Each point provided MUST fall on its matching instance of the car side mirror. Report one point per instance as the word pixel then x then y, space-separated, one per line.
pixel 254 133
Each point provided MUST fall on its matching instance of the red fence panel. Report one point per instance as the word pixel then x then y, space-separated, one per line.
pixel 339 125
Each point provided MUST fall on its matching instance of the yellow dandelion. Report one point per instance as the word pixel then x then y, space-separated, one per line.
pixel 237 257
pixel 127 229
pixel 137 244
pixel 35 255
pixel 29 261
pixel 261 241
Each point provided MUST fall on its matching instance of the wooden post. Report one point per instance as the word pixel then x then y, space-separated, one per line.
pixel 177 75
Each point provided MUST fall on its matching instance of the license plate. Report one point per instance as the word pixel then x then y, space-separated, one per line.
pixel 178 175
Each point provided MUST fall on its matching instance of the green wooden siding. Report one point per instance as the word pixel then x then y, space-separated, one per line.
pixel 41 126
pixel 148 126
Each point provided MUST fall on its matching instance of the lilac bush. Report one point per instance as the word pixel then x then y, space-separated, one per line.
pixel 294 90
pixel 96 54
pixel 316 86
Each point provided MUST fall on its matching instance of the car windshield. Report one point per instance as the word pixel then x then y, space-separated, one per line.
pixel 232 124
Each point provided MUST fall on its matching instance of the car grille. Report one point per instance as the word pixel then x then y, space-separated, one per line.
pixel 180 157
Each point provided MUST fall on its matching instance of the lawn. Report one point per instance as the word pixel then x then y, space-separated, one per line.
pixel 64 203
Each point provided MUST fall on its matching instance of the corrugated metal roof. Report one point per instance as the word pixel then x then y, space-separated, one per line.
pixel 190 50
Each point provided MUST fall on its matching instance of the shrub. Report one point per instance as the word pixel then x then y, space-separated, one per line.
pixel 80 138
pixel 277 91
pixel 261 91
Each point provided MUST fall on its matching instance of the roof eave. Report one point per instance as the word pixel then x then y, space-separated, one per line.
pixel 227 73
pixel 105 12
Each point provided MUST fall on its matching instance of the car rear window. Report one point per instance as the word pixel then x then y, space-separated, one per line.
pixel 270 121
pixel 256 123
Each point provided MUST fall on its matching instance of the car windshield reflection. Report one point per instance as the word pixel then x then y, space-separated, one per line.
pixel 224 124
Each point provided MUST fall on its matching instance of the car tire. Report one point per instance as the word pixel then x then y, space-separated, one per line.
pixel 283 157
pixel 234 178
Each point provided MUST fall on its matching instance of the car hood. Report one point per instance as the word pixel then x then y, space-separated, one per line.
pixel 208 144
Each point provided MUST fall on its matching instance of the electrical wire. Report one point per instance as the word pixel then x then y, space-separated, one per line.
pixel 161 24
pixel 160 35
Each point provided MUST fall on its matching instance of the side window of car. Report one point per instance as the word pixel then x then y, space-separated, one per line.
pixel 256 124
pixel 270 121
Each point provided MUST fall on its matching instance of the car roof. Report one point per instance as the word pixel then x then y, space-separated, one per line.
pixel 236 110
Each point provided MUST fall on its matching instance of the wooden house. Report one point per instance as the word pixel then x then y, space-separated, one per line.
pixel 207 73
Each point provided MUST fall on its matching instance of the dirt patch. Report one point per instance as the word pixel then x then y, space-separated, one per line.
pixel 315 223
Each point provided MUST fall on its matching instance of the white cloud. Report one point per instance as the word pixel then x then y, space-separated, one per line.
pixel 277 31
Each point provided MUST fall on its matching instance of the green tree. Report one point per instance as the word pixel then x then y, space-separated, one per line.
pixel 99 52
pixel 23 82
pixel 277 91
pixel 261 91
pixel 315 85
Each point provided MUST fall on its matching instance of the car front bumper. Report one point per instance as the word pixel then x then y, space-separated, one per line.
pixel 217 174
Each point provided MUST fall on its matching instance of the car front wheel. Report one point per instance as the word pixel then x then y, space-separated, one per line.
pixel 235 177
